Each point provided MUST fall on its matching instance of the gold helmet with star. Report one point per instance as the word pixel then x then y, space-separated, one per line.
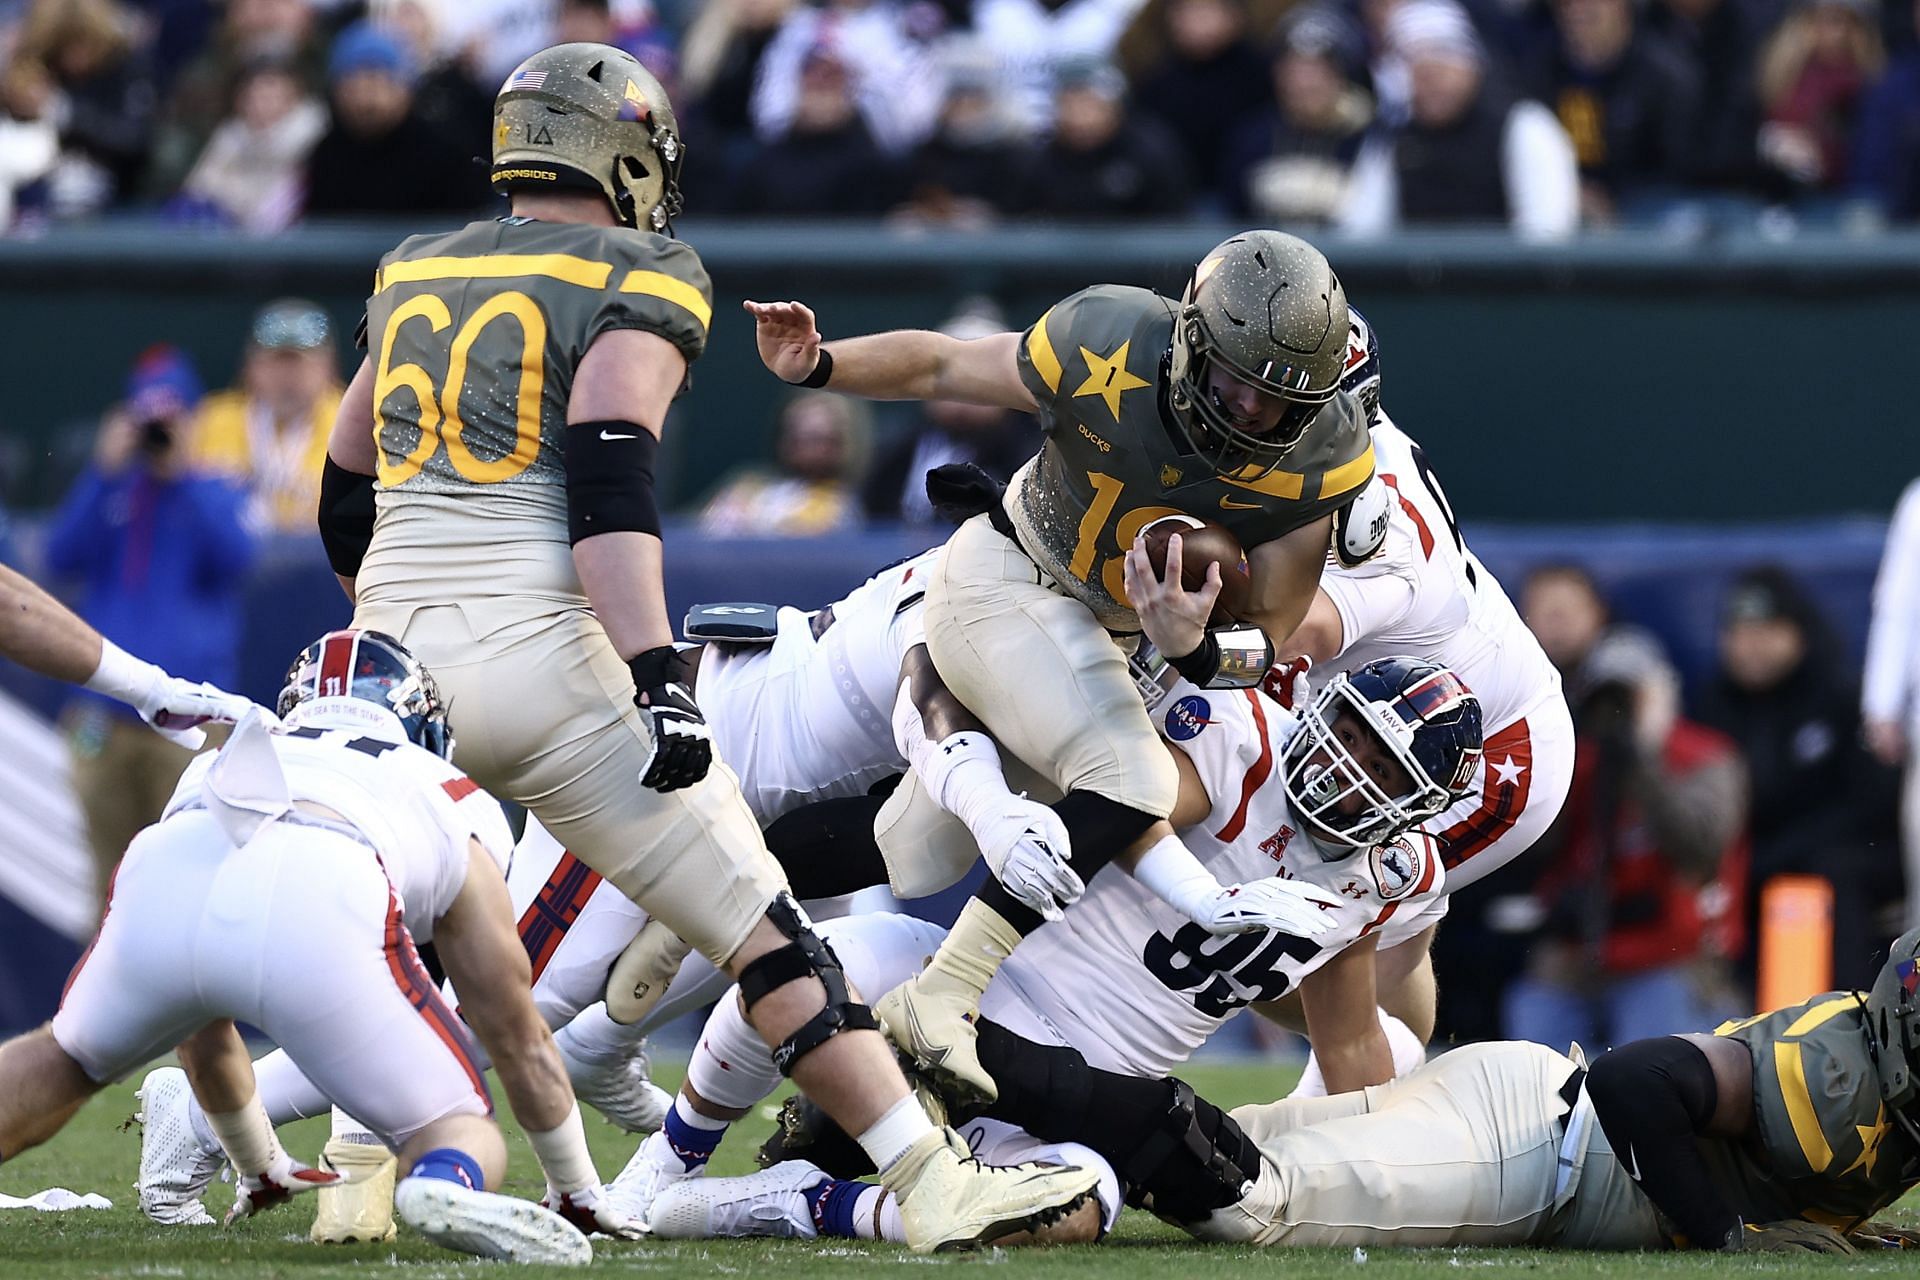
pixel 590 117
pixel 1266 310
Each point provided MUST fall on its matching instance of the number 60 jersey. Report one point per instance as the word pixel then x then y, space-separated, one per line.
pixel 475 337
pixel 1112 463
pixel 1135 985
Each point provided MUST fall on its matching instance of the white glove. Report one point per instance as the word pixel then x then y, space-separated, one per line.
pixel 1287 906
pixel 593 1211
pixel 176 708
pixel 284 1179
pixel 1026 847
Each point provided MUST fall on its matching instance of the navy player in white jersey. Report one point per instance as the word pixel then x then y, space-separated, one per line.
pixel 285 886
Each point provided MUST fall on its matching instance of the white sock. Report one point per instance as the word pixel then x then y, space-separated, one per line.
pixel 688 1116
pixel 876 1216
pixel 731 1065
pixel 593 1037
pixel 904 1124
pixel 1408 1055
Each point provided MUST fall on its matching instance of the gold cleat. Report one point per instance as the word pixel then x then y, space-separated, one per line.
pixel 950 1201
pixel 359 1211
pixel 935 1030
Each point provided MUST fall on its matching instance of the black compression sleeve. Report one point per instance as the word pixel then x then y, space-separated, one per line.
pixel 827 848
pixel 346 517
pixel 1651 1098
pixel 610 479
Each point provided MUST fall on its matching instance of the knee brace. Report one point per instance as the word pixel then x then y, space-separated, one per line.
pixel 1197 1159
pixel 805 955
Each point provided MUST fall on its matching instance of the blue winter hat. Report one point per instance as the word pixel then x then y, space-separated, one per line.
pixel 163 382
pixel 365 47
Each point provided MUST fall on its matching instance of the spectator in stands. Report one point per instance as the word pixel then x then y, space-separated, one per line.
pixel 1785 696
pixel 250 31
pixel 1639 875
pixel 495 36
pixel 269 434
pixel 1104 159
pixel 1210 78
pixel 1890 692
pixel 1721 39
pixel 889 71
pixel 826 163
pixel 818 454
pixel 252 174
pixel 720 62
pixel 379 156
pixel 969 172
pixel 103 98
pixel 1471 151
pixel 994 440
pixel 447 96
pixel 1886 157
pixel 1567 613
pixel 161 553
pixel 1813 73
pixel 1033 38
pixel 29 143
pixel 1290 163
pixel 1629 100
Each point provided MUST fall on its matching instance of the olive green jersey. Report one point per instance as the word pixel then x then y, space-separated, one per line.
pixel 476 336
pixel 1112 462
pixel 1823 1146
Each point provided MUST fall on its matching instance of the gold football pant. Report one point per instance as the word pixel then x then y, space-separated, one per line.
pixel 1047 679
pixel 1467 1150
pixel 542 713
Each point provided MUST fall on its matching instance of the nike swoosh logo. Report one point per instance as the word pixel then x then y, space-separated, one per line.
pixel 1231 505
pixel 612 435
pixel 1633 1163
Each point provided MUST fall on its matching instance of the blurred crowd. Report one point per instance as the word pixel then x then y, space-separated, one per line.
pixel 1361 115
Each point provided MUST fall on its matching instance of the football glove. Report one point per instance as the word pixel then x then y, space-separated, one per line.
pixel 286 1178
pixel 682 738
pixel 1788 1236
pixel 1881 1234
pixel 1026 847
pixel 591 1210
pixel 1284 906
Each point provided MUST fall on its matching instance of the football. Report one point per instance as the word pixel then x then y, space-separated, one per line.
pixel 1202 542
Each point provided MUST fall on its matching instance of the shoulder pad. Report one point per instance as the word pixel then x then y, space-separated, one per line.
pixel 1404 866
pixel 1360 527
pixel 1099 318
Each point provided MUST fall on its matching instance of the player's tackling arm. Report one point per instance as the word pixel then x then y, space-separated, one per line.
pixel 1285 574
pixel 1320 636
pixel 906 364
pixel 1338 1000
pixel 346 483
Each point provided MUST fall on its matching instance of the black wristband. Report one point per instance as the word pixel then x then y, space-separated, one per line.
pixel 822 370
pixel 653 668
pixel 1202 664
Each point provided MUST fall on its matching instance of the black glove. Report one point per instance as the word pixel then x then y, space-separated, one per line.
pixel 1791 1235
pixel 959 491
pixel 682 739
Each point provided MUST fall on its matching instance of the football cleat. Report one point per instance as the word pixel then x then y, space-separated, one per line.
pixel 934 1029
pixel 772 1202
pixel 360 1210
pixel 488 1225
pixel 653 1168
pixel 175 1170
pixel 949 1200
pixel 620 1090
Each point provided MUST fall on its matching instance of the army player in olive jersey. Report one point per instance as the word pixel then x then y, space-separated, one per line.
pixel 1225 406
pixel 518 376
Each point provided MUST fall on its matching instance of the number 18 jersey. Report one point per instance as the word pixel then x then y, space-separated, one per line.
pixel 475 337
pixel 1136 986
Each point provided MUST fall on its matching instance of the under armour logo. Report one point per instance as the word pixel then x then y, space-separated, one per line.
pixel 950 747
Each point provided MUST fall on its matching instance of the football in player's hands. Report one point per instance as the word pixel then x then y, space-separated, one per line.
pixel 1203 543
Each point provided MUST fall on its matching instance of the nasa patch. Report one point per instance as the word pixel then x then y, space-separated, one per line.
pixel 1396 868
pixel 1187 717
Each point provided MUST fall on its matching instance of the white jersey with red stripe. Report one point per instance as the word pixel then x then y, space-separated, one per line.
pixel 810 718
pixel 1136 986
pixel 416 811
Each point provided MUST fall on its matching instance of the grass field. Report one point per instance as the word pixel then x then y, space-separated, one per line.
pixel 99 1152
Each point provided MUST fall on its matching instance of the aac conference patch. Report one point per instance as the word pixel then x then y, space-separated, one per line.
pixel 1187 717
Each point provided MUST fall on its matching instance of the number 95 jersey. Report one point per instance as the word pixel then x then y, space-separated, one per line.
pixel 475 337
pixel 1136 986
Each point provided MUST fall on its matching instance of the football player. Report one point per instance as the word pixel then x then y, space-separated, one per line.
pixel 1131 983
pixel 44 636
pixel 509 414
pixel 285 886
pixel 1787 1131
pixel 1420 590
pixel 1225 405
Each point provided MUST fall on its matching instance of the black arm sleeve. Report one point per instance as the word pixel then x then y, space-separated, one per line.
pixel 610 479
pixel 1651 1098
pixel 346 517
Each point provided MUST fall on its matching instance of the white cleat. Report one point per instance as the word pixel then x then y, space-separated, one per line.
pixel 772 1202
pixel 653 1168
pixel 621 1091
pixel 175 1170
pixel 488 1225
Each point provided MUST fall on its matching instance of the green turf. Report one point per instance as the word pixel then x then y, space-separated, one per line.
pixel 97 1154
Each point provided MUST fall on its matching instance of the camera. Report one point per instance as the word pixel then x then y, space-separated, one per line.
pixel 156 437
